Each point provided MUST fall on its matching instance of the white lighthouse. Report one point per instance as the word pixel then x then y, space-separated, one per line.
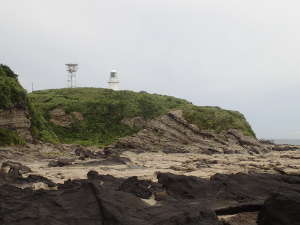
pixel 114 82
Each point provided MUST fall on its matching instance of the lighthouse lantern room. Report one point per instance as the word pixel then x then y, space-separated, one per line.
pixel 114 82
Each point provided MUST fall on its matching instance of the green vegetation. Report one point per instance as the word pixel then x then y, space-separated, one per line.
pixel 40 128
pixel 217 119
pixel 13 95
pixel 11 92
pixel 10 137
pixel 104 109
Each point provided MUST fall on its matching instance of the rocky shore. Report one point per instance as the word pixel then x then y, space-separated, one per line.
pixel 70 184
pixel 240 198
pixel 169 173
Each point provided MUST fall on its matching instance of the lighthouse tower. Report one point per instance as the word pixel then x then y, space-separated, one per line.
pixel 114 82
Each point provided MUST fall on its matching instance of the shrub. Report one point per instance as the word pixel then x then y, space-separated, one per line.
pixel 11 92
pixel 10 137
pixel 13 95
pixel 217 119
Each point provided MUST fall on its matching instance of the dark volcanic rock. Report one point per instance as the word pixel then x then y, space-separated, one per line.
pixel 107 181
pixel 14 168
pixel 239 208
pixel 228 190
pixel 281 209
pixel 12 173
pixel 60 163
pixel 25 207
pixel 240 193
pixel 111 160
pixel 184 200
pixel 186 187
pixel 91 204
pixel 140 188
pixel 37 178
pixel 84 153
pixel 6 179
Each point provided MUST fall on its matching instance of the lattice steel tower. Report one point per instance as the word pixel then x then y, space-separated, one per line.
pixel 72 69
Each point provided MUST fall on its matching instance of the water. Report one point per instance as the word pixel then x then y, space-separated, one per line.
pixel 287 141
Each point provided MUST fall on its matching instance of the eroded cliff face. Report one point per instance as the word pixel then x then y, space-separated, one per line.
pixel 171 133
pixel 17 120
pixel 59 117
pixel 20 121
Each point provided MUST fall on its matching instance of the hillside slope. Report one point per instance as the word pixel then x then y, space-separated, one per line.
pixel 19 121
pixel 95 116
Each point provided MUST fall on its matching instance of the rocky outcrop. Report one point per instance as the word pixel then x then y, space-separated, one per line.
pixel 18 120
pixel 60 163
pixel 226 190
pixel 59 117
pixel 102 199
pixel 14 168
pixel 281 209
pixel 136 122
pixel 17 174
pixel 171 133
pixel 84 153
pixel 140 188
pixel 238 198
pixel 89 203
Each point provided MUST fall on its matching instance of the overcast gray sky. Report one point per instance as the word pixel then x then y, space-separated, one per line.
pixel 241 55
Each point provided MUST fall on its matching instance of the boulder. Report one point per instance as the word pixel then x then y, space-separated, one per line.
pixel 84 153
pixel 60 163
pixel 140 188
pixel 281 209
pixel 15 169
pixel 16 178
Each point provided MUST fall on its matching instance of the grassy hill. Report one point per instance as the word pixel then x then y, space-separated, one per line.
pixel 11 92
pixel 14 96
pixel 102 110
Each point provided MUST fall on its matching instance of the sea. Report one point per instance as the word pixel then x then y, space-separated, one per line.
pixel 287 141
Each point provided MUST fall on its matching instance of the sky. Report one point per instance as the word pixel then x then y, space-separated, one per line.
pixel 239 55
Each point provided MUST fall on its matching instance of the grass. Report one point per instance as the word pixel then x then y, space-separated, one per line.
pixel 217 119
pixel 104 109
pixel 13 95
pixel 10 137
